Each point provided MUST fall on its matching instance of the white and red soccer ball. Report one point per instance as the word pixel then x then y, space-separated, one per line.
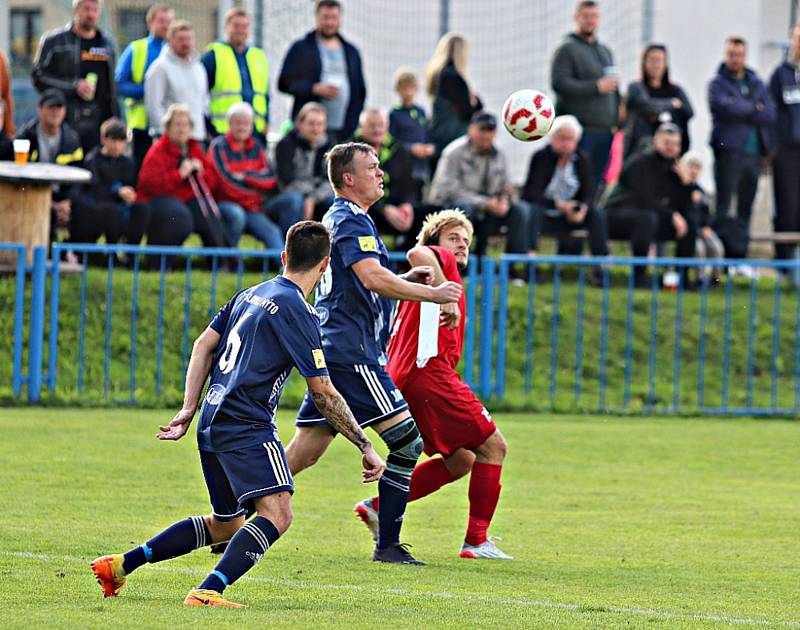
pixel 528 115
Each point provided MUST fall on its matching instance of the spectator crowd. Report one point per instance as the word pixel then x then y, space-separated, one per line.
pixel 187 152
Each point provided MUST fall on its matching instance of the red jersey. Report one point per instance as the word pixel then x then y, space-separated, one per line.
pixel 408 335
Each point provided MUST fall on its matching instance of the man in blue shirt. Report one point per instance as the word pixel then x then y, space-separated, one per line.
pixel 742 112
pixel 249 349
pixel 133 64
pixel 353 302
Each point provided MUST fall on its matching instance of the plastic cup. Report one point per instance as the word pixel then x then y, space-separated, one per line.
pixel 91 79
pixel 21 149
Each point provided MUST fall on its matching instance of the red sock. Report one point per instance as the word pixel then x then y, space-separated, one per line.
pixel 484 492
pixel 428 477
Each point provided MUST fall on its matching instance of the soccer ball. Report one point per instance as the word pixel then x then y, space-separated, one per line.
pixel 528 115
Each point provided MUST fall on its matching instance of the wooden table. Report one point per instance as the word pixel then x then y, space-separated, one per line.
pixel 25 199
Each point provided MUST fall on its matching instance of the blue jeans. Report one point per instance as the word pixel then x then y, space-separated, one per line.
pixel 233 220
pixel 543 221
pixel 238 221
pixel 597 144
pixel 736 174
pixel 286 209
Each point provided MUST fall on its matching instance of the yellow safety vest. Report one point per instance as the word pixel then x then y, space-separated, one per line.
pixel 135 110
pixel 228 84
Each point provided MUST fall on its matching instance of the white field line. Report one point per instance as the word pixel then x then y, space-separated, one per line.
pixel 490 599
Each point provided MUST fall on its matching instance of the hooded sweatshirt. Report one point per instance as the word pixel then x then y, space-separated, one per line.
pixel 172 80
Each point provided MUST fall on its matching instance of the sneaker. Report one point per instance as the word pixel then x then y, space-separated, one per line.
pixel 367 512
pixel 207 597
pixel 109 574
pixel 397 554
pixel 486 549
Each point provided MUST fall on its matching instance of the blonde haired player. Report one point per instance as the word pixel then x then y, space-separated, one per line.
pixel 423 354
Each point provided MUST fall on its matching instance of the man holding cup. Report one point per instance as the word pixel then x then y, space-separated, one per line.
pixel 78 61
pixel 586 83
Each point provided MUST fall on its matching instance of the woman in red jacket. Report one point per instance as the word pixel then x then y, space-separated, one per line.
pixel 177 179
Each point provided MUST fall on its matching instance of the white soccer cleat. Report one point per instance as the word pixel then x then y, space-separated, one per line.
pixel 367 513
pixel 486 550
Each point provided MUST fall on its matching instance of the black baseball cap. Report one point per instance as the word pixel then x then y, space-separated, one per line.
pixel 668 127
pixel 52 97
pixel 484 120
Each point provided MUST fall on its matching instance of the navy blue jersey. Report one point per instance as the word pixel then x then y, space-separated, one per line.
pixel 355 320
pixel 265 330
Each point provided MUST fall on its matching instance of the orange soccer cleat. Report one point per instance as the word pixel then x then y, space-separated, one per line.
pixel 207 597
pixel 109 573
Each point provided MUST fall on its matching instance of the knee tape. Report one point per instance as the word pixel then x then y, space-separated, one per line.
pixel 405 447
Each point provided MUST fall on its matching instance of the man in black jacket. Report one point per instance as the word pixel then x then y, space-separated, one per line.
pixel 324 67
pixel 300 161
pixel 78 60
pixel 585 80
pixel 652 199
pixel 560 189
pixel 53 141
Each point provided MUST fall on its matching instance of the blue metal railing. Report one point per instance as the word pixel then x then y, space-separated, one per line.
pixel 579 334
pixel 653 319
pixel 17 252
pixel 168 264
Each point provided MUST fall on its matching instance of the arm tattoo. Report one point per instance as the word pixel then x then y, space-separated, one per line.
pixel 335 409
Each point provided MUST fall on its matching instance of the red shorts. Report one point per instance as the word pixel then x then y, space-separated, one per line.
pixel 448 414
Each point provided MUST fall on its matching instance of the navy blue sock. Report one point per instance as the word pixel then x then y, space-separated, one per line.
pixel 405 447
pixel 244 550
pixel 177 540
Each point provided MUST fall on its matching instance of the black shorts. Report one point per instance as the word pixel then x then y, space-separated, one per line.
pixel 368 390
pixel 235 478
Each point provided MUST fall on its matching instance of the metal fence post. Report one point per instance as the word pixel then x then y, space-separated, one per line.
pixel 36 335
pixel 487 327
pixel 55 291
pixel 19 323
pixel 502 316
pixel 472 317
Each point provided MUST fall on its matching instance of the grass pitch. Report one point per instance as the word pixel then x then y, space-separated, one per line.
pixel 633 522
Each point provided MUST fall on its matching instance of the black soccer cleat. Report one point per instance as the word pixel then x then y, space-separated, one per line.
pixel 396 554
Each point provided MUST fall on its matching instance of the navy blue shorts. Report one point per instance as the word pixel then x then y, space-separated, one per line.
pixel 235 478
pixel 367 389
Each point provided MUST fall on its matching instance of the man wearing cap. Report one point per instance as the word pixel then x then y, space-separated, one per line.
pixel 652 201
pixel 472 175
pixel 78 61
pixel 53 141
pixel 237 73
pixel 134 62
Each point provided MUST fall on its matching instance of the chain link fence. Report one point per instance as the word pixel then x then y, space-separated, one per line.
pixel 511 45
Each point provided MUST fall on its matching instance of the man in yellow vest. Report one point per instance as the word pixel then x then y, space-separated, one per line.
pixel 237 72
pixel 132 67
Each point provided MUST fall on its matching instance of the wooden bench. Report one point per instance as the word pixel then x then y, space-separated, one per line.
pixel 780 238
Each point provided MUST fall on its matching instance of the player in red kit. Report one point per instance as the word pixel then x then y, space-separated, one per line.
pixel 423 354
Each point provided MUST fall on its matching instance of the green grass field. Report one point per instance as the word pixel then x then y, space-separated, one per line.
pixel 613 522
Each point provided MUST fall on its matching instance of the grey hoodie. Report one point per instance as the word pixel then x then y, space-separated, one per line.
pixel 170 80
pixel 577 65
